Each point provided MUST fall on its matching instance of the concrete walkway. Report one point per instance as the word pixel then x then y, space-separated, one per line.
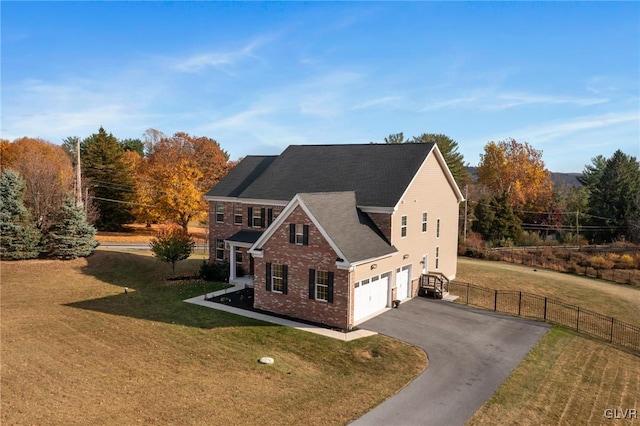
pixel 201 300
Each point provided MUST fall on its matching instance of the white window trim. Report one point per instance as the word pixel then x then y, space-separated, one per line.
pixel 299 237
pixel 219 248
pixel 236 215
pixel 217 213
pixel 274 278
pixel 425 218
pixel 438 228
pixel 437 257
pixel 403 227
pixel 317 284
pixel 256 211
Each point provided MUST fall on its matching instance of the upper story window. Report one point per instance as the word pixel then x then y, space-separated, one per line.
pixel 424 221
pixel 272 214
pixel 403 227
pixel 256 217
pixel 321 285
pixel 219 212
pixel 277 278
pixel 437 257
pixel 438 228
pixel 237 215
pixel 299 234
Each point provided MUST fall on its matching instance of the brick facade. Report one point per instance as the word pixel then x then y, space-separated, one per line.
pixel 228 227
pixel 383 222
pixel 318 255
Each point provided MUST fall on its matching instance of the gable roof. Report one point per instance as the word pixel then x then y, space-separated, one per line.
pixel 349 228
pixel 350 232
pixel 377 173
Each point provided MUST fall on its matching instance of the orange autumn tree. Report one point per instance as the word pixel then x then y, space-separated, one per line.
pixel 516 169
pixel 47 172
pixel 177 173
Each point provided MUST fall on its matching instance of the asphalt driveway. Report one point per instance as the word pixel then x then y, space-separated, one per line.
pixel 471 352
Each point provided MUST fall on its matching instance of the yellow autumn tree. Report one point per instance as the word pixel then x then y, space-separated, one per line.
pixel 174 177
pixel 516 169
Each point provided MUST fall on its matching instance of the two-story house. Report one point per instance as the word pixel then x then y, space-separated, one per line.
pixel 335 233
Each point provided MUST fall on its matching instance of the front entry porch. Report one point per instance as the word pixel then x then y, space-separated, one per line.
pixel 243 239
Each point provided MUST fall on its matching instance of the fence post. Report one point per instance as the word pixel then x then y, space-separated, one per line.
pixel 495 301
pixel 578 320
pixel 611 335
pixel 545 308
pixel 519 302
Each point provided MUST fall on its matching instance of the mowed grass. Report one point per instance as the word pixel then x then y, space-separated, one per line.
pixel 567 379
pixel 616 300
pixel 77 350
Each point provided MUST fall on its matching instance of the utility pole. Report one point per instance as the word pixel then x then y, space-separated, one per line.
pixel 578 229
pixel 466 197
pixel 79 202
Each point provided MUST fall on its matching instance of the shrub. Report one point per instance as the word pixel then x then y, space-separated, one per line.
pixel 625 262
pixel 172 245
pixel 599 262
pixel 214 271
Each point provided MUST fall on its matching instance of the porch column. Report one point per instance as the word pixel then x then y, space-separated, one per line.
pixel 232 262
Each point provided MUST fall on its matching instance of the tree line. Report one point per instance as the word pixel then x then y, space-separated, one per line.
pixel 512 199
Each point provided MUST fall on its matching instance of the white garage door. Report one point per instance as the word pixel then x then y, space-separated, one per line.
pixel 370 296
pixel 402 282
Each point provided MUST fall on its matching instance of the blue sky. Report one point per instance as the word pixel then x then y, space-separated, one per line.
pixel 257 77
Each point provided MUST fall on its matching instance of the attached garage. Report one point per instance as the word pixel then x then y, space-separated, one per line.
pixel 371 295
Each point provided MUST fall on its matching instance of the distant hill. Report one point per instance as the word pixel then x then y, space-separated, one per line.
pixel 558 179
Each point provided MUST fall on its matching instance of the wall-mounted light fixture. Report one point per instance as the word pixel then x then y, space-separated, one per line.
pixel 406 256
pixel 374 266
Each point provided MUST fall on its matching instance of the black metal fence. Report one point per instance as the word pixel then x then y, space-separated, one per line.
pixel 533 306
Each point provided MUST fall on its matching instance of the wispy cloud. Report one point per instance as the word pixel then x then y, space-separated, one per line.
pixel 494 101
pixel 560 129
pixel 377 102
pixel 221 60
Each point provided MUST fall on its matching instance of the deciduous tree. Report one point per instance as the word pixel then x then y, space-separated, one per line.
pixel 516 169
pixel 177 173
pixel 496 221
pixel 47 172
pixel 172 245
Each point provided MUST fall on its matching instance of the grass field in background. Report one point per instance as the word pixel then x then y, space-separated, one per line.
pixel 616 300
pixel 77 350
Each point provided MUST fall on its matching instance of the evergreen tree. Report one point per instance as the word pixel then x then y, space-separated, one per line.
pixel 112 183
pixel 449 149
pixel 19 238
pixel 70 236
pixel 614 188
pixel 496 221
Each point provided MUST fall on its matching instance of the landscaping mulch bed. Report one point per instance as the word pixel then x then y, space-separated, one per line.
pixel 243 299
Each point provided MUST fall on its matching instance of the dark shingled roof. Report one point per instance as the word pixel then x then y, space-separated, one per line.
pixel 245 236
pixel 351 230
pixel 378 173
pixel 242 175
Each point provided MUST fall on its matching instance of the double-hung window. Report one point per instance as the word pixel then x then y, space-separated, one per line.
pixel 219 249
pixel 321 285
pixel 299 234
pixel 403 227
pixel 438 228
pixel 219 212
pixel 424 221
pixel 237 215
pixel 437 257
pixel 256 217
pixel 277 278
